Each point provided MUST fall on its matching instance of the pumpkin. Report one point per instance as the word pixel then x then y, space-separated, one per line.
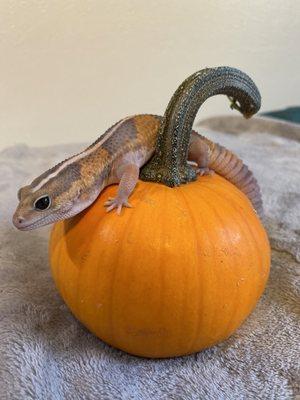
pixel 181 270
pixel 177 273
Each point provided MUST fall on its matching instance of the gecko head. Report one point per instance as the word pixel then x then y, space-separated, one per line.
pixel 43 207
pixel 50 198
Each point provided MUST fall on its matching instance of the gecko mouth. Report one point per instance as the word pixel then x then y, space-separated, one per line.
pixel 33 225
pixel 46 220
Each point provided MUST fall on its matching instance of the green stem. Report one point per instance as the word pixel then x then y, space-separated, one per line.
pixel 169 163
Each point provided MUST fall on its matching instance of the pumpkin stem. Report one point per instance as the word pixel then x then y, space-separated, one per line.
pixel 169 162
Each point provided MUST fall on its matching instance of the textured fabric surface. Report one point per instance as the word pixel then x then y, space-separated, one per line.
pixel 46 354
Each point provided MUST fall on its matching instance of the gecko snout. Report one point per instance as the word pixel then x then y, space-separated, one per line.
pixel 18 221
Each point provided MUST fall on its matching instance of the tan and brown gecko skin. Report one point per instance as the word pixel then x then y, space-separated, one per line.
pixel 117 157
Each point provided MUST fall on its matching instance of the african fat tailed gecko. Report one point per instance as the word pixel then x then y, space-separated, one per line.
pixel 117 157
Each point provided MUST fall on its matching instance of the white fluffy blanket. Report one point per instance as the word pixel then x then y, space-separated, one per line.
pixel 45 353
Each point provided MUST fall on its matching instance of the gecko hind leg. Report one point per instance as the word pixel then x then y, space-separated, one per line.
pixel 199 153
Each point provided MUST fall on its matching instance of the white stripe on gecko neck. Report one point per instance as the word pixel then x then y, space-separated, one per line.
pixel 78 156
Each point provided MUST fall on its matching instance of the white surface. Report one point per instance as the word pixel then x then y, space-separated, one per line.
pixel 71 68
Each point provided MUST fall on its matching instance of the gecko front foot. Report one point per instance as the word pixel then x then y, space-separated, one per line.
pixel 204 171
pixel 116 202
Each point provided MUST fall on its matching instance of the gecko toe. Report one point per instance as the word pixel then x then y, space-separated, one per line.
pixel 117 203
pixel 109 208
pixel 119 209
pixel 204 171
pixel 109 201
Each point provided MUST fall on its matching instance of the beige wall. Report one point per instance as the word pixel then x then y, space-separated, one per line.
pixel 71 68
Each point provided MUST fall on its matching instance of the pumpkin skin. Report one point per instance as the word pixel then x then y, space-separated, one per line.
pixel 177 273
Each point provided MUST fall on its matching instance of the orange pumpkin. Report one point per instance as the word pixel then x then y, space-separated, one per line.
pixel 177 273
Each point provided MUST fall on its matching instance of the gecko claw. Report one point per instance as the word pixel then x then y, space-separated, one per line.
pixel 204 171
pixel 118 203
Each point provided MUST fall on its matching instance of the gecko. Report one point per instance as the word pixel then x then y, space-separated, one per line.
pixel 118 156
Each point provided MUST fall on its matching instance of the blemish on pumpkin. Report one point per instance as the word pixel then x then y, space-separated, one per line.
pixel 224 251
pixel 206 253
pixel 241 281
pixel 84 258
pixel 107 234
pixel 148 200
pixel 183 213
pixel 130 238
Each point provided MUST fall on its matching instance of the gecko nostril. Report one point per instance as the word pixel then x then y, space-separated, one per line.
pixel 20 220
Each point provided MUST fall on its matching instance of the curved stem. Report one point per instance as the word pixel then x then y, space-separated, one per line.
pixel 169 163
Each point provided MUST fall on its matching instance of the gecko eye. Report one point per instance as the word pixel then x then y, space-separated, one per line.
pixel 42 203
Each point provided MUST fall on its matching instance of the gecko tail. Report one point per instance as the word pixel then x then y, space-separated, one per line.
pixel 232 168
